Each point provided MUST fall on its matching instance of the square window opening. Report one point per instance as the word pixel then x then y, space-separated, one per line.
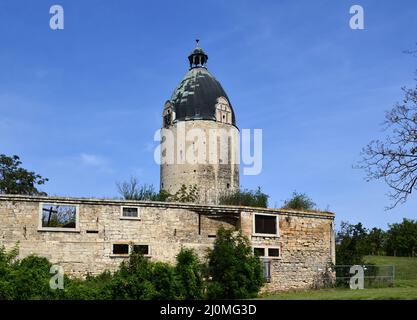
pixel 265 224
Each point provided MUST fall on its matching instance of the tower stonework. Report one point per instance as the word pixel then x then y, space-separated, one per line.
pixel 199 123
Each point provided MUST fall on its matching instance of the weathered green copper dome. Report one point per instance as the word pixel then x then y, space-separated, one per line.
pixel 197 94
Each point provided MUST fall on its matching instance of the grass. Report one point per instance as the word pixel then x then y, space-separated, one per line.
pixel 405 286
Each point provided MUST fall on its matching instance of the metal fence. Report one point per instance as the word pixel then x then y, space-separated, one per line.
pixel 374 276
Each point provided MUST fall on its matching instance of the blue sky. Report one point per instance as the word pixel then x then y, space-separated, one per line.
pixel 81 105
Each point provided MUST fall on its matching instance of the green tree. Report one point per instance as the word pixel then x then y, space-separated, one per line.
pixel 189 274
pixel 351 244
pixel 234 271
pixel 142 279
pixel 376 241
pixel 299 201
pixel 249 198
pixel 16 180
pixel 402 239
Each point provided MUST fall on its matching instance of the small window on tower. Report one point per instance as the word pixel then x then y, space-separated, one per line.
pixel 167 120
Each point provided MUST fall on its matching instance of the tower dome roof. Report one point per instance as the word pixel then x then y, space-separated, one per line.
pixel 197 94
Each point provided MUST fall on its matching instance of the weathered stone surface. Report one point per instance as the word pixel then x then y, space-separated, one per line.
pixel 212 179
pixel 306 239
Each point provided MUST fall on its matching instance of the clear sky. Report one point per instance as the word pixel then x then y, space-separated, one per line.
pixel 81 105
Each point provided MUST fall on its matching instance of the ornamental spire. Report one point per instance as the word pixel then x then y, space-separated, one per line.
pixel 198 57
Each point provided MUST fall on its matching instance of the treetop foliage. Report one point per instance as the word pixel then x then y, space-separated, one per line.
pixel 249 198
pixel 16 180
pixel 299 201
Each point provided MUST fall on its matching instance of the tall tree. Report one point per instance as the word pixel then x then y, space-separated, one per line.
pixel 394 160
pixel 16 180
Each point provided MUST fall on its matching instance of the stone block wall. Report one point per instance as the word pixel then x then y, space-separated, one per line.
pixel 202 141
pixel 305 239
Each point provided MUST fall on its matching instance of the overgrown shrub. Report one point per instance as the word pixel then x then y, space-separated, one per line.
pixel 249 198
pixel 133 280
pixel 233 270
pixel 189 275
pixel 24 279
pixel 299 201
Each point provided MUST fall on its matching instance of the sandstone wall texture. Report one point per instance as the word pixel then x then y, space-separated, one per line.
pixel 305 239
pixel 204 153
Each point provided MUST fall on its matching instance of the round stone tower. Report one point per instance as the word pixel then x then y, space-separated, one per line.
pixel 200 139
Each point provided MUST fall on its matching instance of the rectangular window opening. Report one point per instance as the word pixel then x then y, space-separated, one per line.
pixel 57 216
pixel 259 252
pixel 120 249
pixel 273 252
pixel 141 249
pixel 130 212
pixel 266 224
pixel 266 265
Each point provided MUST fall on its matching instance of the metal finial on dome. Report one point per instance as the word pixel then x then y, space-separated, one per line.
pixel 198 57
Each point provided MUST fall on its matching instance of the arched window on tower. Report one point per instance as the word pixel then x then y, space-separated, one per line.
pixel 223 111
pixel 168 116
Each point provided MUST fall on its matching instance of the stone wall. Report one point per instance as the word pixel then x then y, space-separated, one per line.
pixel 199 159
pixel 307 248
pixel 305 239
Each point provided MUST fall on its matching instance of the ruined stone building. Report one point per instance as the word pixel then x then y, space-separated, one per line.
pixel 92 235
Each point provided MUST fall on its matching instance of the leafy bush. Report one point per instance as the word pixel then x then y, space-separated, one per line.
pixel 185 194
pixel 92 288
pixel 249 198
pixel 24 279
pixel 299 201
pixel 134 280
pixel 189 275
pixel 234 271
